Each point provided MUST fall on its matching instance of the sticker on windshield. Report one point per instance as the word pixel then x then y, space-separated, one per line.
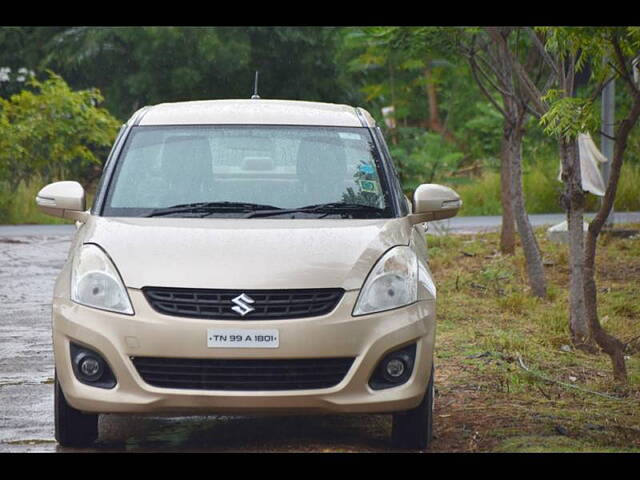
pixel 367 169
pixel 350 136
pixel 368 186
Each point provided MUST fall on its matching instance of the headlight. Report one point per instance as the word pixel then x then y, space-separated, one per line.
pixel 95 282
pixel 392 283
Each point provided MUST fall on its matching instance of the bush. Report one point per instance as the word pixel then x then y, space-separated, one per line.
pixel 48 133
pixel 423 157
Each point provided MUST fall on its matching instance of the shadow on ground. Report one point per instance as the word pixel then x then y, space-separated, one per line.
pixel 335 433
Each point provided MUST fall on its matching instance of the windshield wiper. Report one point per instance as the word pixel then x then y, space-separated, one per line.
pixel 210 207
pixel 337 207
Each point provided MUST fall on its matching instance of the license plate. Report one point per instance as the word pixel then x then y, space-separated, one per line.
pixel 236 338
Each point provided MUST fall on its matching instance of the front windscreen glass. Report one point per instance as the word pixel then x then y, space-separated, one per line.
pixel 248 171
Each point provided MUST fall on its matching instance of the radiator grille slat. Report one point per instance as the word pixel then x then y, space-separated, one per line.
pixel 218 304
pixel 244 374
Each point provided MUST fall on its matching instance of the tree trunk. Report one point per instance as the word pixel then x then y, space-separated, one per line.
pixel 515 113
pixel 394 132
pixel 434 117
pixel 433 122
pixel 573 203
pixel 535 269
pixel 608 343
pixel 508 229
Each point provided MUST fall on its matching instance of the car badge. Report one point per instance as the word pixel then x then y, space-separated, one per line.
pixel 242 304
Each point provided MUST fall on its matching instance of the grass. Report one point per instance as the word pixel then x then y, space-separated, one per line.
pixel 487 320
pixel 542 191
pixel 550 444
pixel 20 207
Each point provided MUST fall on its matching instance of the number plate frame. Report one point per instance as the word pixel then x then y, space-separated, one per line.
pixel 242 338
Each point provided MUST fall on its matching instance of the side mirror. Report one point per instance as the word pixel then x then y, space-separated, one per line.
pixel 63 199
pixel 434 202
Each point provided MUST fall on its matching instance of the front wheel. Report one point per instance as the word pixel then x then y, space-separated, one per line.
pixel 72 427
pixel 413 429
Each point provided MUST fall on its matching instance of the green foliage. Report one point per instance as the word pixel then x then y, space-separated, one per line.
pixel 369 66
pixel 586 44
pixel 398 66
pixel 388 65
pixel 628 198
pixel 540 184
pixel 137 66
pixel 568 116
pixel 483 128
pixel 541 187
pixel 51 128
pixel 606 51
pixel 542 190
pixel 22 48
pixel 51 131
pixel 424 157
pixel 593 47
pixel 481 196
pixel 154 64
pixel 19 206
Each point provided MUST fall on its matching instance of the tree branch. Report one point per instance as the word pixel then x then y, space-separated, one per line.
pixel 532 110
pixel 486 93
pixel 571 75
pixel 498 75
pixel 616 164
pixel 625 74
pixel 543 51
pixel 524 80
pixel 605 135
pixel 564 384
pixel 596 93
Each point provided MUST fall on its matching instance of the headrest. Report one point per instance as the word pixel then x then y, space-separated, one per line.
pixel 322 157
pixel 185 149
pixel 258 163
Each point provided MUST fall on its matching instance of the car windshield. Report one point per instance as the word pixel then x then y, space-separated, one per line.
pixel 238 171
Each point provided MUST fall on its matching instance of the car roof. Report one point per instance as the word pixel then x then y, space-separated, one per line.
pixel 253 112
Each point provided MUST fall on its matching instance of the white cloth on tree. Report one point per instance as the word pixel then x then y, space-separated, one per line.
pixel 590 158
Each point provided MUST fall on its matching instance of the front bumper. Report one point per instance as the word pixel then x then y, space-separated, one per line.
pixel 119 337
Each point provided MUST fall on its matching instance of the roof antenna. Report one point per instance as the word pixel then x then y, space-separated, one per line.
pixel 255 88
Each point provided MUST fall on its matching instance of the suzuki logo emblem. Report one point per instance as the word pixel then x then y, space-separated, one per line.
pixel 241 302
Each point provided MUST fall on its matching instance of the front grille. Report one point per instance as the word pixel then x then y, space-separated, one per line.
pixel 235 374
pixel 218 304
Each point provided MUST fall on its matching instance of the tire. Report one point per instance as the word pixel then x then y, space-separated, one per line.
pixel 413 429
pixel 72 427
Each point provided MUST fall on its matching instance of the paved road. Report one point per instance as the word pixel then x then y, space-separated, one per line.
pixel 485 224
pixel 31 257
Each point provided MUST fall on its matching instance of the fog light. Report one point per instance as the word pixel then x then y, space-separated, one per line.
pixel 91 368
pixel 395 367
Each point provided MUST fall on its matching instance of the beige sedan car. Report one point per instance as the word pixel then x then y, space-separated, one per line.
pixel 246 256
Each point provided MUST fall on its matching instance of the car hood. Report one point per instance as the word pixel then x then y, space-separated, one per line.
pixel 244 253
